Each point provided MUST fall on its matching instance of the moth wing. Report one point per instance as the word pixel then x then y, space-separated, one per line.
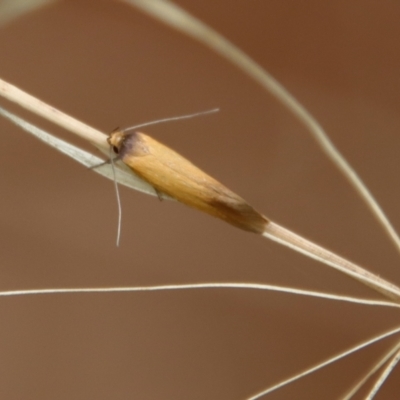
pixel 170 173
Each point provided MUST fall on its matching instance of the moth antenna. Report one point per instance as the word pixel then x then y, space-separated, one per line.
pixel 118 198
pixel 158 121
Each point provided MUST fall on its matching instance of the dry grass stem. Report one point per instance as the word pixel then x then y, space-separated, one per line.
pixel 382 378
pixel 123 175
pixel 209 285
pixel 31 103
pixel 375 368
pixel 290 239
pixel 325 363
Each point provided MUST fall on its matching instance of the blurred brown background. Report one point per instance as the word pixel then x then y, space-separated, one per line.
pixel 110 65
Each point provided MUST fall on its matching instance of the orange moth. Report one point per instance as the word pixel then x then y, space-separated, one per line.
pixel 173 175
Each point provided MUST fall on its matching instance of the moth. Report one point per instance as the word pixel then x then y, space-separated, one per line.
pixel 173 175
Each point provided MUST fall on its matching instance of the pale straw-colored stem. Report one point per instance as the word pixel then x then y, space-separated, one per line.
pixel 324 363
pixel 38 107
pixel 372 371
pixel 290 239
pixel 202 286
pixel 384 375
pixel 174 16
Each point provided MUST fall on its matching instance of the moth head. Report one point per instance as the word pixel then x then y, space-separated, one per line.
pixel 116 140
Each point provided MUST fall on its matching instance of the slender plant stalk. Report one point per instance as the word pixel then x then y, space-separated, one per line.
pixel 331 360
pixel 382 378
pixel 123 176
pixel 375 368
pixel 33 104
pixel 290 239
pixel 198 286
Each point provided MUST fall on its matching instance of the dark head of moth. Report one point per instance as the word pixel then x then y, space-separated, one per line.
pixel 171 174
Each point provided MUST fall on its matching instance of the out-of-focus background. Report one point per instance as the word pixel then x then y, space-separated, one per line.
pixel 109 65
